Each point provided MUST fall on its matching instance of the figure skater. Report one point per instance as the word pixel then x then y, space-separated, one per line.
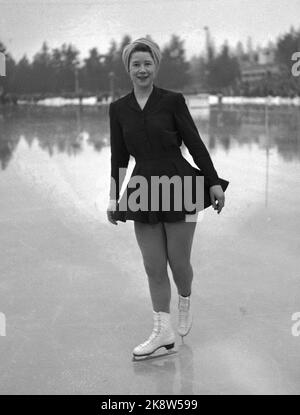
pixel 150 124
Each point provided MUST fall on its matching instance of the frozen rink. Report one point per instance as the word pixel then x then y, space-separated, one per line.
pixel 73 289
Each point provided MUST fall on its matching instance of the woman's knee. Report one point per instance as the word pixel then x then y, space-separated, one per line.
pixel 156 271
pixel 180 267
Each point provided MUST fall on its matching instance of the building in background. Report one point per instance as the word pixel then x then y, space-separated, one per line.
pixel 259 70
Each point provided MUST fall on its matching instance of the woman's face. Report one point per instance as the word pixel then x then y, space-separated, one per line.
pixel 142 69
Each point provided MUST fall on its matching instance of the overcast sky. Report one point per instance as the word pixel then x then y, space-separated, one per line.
pixel 25 24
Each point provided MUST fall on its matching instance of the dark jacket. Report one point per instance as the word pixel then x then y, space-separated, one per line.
pixel 164 123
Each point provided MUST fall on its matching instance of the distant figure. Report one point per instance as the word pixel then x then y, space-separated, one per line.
pixel 149 123
pixel 220 97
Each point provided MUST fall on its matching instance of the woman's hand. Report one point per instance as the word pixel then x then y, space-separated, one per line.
pixel 217 194
pixel 110 211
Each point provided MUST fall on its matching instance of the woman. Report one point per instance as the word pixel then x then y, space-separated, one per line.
pixel 150 124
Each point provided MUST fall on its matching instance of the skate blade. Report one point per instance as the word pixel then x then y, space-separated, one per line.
pixel 183 335
pixel 153 356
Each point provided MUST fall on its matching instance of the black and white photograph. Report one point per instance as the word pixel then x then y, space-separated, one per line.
pixel 149 189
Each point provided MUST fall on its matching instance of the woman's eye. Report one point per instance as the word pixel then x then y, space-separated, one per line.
pixel 147 63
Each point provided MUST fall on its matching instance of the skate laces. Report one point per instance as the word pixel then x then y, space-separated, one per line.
pixel 153 335
pixel 159 325
pixel 155 332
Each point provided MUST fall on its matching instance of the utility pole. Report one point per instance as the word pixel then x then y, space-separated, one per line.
pixel 76 81
pixel 207 42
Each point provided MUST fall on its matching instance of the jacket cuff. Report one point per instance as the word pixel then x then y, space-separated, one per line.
pixel 212 181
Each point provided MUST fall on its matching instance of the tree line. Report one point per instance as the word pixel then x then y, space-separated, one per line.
pixel 60 71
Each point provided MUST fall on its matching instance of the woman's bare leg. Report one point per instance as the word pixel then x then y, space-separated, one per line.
pixel 153 245
pixel 179 245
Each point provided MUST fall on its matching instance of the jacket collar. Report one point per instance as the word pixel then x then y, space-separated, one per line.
pixel 152 101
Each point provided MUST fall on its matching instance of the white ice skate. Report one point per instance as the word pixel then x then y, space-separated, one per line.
pixel 185 318
pixel 162 336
